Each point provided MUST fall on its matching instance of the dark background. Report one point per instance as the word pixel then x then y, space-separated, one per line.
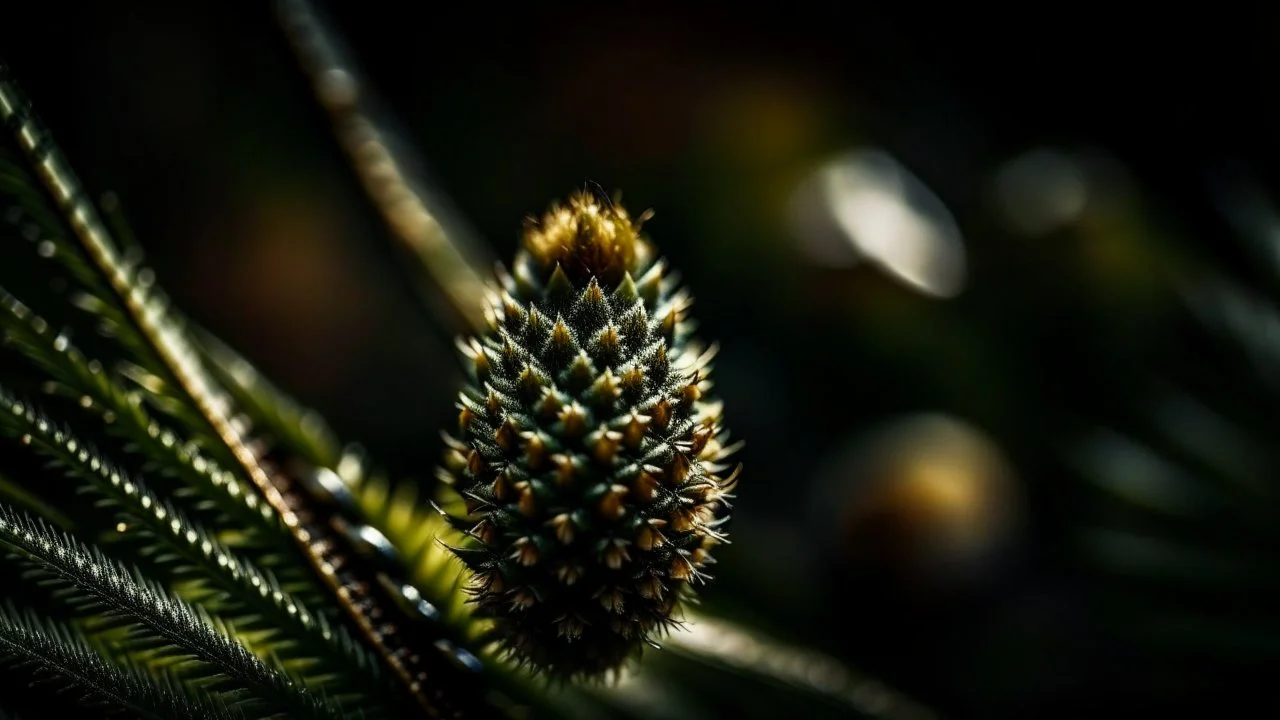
pixel 712 114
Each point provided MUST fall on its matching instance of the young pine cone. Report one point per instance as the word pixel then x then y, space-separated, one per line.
pixel 588 451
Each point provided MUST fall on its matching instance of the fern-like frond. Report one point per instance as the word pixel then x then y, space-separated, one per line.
pixel 224 581
pixel 125 415
pixel 123 286
pixel 55 239
pixel 176 371
pixel 58 654
pixel 107 587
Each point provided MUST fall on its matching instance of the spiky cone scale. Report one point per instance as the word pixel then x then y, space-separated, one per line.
pixel 589 451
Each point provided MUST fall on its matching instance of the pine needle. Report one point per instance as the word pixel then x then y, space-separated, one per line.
pixel 320 653
pixel 125 416
pixel 111 590
pixel 57 654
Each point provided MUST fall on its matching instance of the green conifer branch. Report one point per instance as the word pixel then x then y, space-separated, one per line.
pixel 313 648
pixel 59 654
pixel 181 363
pixel 112 591
pixel 55 241
pixel 131 289
pixel 184 370
pixel 127 417
pixel 400 512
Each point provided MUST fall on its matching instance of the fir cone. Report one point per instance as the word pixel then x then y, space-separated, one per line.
pixel 588 453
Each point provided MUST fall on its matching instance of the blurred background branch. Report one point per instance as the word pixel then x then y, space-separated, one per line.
pixel 417 215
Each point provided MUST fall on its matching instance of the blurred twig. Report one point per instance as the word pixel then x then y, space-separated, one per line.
pixel 421 220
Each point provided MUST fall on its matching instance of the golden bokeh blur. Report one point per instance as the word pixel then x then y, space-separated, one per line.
pixel 935 503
